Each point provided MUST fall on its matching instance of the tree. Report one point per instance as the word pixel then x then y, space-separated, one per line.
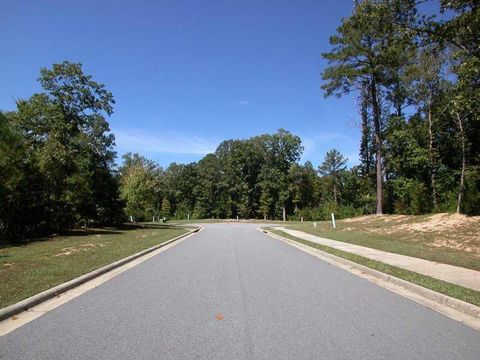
pixel 407 157
pixel 303 186
pixel 10 154
pixel 66 169
pixel 83 102
pixel 366 56
pixel 166 209
pixel 69 146
pixel 139 186
pixel 367 143
pixel 77 94
pixel 333 164
pixel 11 158
pixel 282 150
pixel 460 34
pixel 178 186
pixel 428 86
pixel 270 184
pixel 240 162
pixel 210 190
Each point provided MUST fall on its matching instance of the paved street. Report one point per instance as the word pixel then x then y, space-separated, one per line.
pixel 231 292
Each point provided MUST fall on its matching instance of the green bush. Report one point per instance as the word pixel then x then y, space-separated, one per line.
pixel 323 212
pixel 408 196
pixel 471 196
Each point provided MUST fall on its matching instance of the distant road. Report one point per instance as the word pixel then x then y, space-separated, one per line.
pixel 231 292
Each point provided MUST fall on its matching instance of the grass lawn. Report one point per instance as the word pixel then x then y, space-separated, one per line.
pixel 455 291
pixel 444 238
pixel 33 267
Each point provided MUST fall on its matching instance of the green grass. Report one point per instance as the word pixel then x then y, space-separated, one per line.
pixel 455 291
pixel 395 237
pixel 33 267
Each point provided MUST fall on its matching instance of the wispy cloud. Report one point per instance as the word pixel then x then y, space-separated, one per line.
pixel 316 146
pixel 245 102
pixel 313 142
pixel 184 144
pixel 136 140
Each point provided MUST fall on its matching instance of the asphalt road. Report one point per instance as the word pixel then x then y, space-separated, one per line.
pixel 231 292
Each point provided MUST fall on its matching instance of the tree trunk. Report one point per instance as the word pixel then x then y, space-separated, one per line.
pixel 335 193
pixel 365 150
pixel 431 155
pixel 284 213
pixel 378 145
pixel 462 173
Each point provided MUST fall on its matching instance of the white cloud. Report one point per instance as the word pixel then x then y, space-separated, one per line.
pixel 136 140
pixel 353 158
pixel 245 102
pixel 312 143
pixel 150 143
pixel 316 146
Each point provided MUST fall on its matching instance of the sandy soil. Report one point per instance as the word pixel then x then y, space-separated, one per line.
pixel 445 230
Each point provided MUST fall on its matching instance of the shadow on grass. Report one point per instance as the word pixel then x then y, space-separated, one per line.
pixel 118 230
pixel 92 231
pixel 160 226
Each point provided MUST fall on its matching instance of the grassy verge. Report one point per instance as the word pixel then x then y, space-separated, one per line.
pixel 448 246
pixel 33 267
pixel 455 291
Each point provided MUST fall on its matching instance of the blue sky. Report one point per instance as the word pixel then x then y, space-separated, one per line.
pixel 188 74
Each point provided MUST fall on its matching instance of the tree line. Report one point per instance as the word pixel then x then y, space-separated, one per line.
pixel 417 78
pixel 417 82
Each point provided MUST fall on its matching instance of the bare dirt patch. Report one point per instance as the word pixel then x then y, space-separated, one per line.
pixel 376 219
pixel 452 231
pixel 361 219
pixel 441 222
pixel 67 251
pixel 88 245
pixel 73 250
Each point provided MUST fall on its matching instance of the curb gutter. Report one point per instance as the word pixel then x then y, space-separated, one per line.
pixel 471 312
pixel 23 305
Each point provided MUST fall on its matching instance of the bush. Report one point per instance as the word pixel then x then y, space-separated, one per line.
pixel 349 211
pixel 323 212
pixel 471 196
pixel 408 196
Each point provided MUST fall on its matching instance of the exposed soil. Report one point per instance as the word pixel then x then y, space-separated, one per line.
pixel 453 231
pixel 73 250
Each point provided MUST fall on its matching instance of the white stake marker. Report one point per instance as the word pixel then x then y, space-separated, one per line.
pixel 333 221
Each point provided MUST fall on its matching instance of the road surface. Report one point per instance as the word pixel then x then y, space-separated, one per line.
pixel 231 292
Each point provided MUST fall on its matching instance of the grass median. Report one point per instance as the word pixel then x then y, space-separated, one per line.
pixel 445 238
pixel 455 291
pixel 29 268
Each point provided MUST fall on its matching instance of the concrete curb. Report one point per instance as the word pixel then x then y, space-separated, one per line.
pixel 23 305
pixel 463 307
